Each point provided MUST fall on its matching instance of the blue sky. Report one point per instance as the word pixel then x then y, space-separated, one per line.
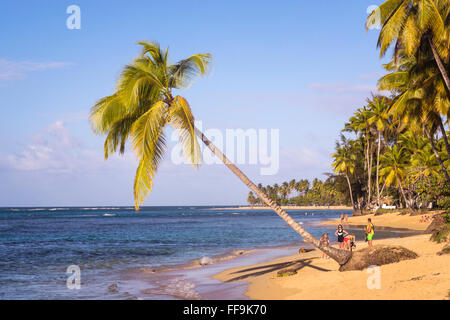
pixel 301 67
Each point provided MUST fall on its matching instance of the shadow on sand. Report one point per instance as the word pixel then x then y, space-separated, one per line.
pixel 292 265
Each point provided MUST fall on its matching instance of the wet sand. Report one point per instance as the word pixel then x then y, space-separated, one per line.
pixel 193 281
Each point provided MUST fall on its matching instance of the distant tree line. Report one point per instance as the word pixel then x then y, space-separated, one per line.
pixel 332 191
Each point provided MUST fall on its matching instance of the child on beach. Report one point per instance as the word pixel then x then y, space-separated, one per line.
pixel 342 218
pixel 349 242
pixel 325 241
pixel 341 234
pixel 346 217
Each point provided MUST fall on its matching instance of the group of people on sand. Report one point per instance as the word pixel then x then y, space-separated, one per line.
pixel 344 217
pixel 347 241
pixel 425 219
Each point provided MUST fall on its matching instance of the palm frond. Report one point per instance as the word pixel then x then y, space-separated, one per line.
pixel 146 170
pixel 393 81
pixel 182 119
pixel 389 31
pixel 106 112
pixel 146 130
pixel 185 70
pixel 385 10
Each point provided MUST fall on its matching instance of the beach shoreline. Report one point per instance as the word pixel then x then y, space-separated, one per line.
pixel 394 219
pixel 427 277
pixel 205 280
pixel 288 208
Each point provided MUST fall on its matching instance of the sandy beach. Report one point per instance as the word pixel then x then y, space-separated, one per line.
pixel 427 277
pixel 290 208
pixel 390 220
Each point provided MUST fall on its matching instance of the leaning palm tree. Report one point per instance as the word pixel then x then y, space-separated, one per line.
pixel 144 104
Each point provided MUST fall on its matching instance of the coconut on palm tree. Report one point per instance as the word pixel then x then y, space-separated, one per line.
pixel 144 104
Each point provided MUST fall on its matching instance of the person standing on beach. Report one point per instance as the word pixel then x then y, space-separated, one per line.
pixel 370 231
pixel 341 234
pixel 325 241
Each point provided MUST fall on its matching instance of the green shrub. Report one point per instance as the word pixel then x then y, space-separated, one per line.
pixel 442 236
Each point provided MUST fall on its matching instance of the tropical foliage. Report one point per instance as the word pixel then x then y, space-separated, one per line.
pixel 394 150
pixel 332 191
pixel 406 132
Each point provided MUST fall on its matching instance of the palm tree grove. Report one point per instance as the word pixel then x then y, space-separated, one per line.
pixel 394 150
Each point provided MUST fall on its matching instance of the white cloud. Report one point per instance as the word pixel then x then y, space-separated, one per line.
pixel 17 70
pixel 55 150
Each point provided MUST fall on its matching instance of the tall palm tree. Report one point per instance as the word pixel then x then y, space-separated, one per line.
pixel 302 186
pixel 344 163
pixel 292 184
pixel 251 199
pixel 378 116
pixel 359 124
pixel 284 190
pixel 395 162
pixel 143 105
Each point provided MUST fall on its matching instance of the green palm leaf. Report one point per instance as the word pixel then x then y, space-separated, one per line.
pixel 182 119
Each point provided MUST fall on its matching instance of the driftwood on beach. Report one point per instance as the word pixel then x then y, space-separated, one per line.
pixel 377 256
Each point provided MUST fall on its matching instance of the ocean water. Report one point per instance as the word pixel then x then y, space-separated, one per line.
pixel 119 246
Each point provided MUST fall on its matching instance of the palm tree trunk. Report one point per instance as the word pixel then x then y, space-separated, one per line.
pixel 378 167
pixel 368 171
pixel 439 63
pixel 382 189
pixel 370 174
pixel 350 190
pixel 403 192
pixel 444 135
pixel 436 153
pixel 340 256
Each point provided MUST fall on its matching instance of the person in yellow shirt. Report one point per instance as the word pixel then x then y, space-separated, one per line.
pixel 370 231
